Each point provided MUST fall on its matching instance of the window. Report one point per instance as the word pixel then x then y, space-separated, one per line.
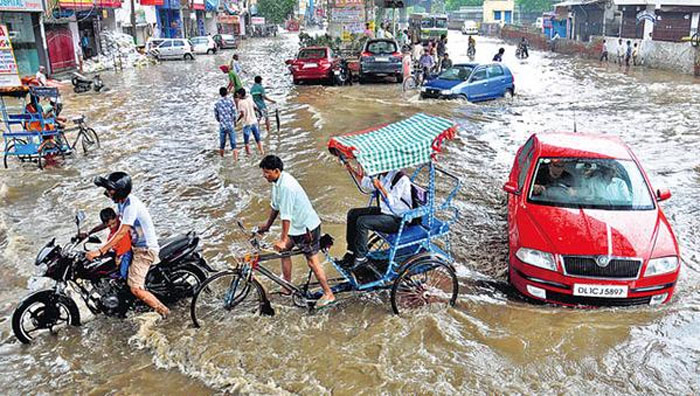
pixel 524 161
pixel 178 43
pixel 508 16
pixel 479 75
pixel 497 15
pixel 590 183
pixel 441 23
pixel 427 23
pixel 312 53
pixel 166 44
pixel 381 47
pixel 495 71
pixel 457 73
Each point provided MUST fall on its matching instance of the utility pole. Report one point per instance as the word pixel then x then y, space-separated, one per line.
pixel 133 20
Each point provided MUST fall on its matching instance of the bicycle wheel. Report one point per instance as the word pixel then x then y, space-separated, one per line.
pixel 10 148
pixel 429 281
pixel 410 84
pixel 89 139
pixel 226 296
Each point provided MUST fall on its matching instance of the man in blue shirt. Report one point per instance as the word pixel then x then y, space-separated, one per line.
pixel 225 113
pixel 301 226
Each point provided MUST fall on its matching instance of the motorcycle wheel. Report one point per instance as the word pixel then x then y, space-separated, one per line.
pixel 186 281
pixel 44 310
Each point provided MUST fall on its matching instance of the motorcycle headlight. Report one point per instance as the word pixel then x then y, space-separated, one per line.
pixel 662 265
pixel 537 258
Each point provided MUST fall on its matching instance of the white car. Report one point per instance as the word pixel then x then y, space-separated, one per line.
pixel 204 45
pixel 174 49
pixel 471 28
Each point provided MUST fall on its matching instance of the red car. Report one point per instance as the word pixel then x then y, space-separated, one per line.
pixel 312 63
pixel 584 224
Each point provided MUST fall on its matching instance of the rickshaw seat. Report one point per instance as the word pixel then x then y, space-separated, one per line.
pixel 415 233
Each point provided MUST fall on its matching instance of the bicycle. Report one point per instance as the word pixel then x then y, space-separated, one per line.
pixel 415 80
pixel 239 289
pixel 86 135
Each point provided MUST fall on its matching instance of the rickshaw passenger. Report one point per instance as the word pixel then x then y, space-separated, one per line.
pixel 395 188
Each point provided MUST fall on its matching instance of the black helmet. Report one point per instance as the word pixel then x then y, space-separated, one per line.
pixel 120 182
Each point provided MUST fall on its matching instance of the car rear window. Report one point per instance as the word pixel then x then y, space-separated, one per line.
pixel 227 37
pixel 315 53
pixel 381 47
pixel 199 40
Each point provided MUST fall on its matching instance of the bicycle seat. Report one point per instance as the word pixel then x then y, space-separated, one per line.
pixel 78 120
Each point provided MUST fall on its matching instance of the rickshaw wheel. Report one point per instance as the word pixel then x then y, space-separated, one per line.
pixel 10 148
pixel 89 140
pixel 426 282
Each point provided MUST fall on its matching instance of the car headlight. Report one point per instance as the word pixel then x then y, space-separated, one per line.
pixel 537 258
pixel 661 265
pixel 446 92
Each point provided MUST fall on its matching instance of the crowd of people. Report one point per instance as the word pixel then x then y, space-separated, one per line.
pixel 627 54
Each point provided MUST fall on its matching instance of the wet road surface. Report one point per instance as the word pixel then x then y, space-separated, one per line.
pixel 157 123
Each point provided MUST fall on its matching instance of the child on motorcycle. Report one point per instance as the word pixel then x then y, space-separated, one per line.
pixel 122 249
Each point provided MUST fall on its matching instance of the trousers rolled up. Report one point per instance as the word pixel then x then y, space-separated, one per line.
pixel 361 221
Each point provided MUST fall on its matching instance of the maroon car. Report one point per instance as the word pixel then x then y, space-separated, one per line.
pixel 312 64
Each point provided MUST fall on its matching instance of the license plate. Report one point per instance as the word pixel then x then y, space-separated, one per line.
pixel 604 291
pixel 381 59
pixel 310 65
pixel 336 72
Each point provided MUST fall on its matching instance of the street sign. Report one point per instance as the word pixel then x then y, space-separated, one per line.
pixel 9 76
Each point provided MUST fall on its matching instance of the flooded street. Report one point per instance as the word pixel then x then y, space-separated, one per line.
pixel 157 124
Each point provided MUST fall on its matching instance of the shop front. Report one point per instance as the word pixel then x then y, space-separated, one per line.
pixel 169 19
pixel 91 18
pixel 23 21
pixel 229 24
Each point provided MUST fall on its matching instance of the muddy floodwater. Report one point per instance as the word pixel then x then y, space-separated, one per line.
pixel 157 123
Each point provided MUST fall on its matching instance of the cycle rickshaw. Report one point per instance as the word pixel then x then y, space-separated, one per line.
pixel 414 264
pixel 30 135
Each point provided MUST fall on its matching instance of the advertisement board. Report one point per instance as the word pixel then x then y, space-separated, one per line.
pixel 9 76
pixel 21 5
pixel 257 20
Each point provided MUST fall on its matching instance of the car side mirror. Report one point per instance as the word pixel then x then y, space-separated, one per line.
pixel 511 188
pixel 663 194
pixel 288 62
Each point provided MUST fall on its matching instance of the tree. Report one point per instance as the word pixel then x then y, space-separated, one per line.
pixel 534 5
pixel 276 11
pixel 454 5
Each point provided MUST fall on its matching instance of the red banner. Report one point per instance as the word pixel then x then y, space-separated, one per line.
pixel 86 4
pixel 152 2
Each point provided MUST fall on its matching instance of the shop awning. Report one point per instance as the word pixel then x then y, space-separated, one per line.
pixel 403 144
pixel 87 4
pixel 152 2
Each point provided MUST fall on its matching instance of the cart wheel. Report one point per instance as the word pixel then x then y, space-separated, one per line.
pixel 429 281
pixel 410 84
pixel 89 140
pixel 10 148
pixel 226 296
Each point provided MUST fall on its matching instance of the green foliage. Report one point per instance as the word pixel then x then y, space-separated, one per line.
pixel 276 11
pixel 345 48
pixel 534 5
pixel 454 5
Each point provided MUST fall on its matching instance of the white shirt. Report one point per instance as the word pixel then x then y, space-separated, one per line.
pixel 380 33
pixel 135 214
pixel 290 200
pixel 399 196
pixel 41 78
pixel 247 107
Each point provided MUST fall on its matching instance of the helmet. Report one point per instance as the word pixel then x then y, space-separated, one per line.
pixel 120 182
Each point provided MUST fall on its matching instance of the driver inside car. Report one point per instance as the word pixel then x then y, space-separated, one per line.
pixel 552 174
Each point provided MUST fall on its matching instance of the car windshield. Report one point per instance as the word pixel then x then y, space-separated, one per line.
pixel 591 184
pixel 427 23
pixel 315 53
pixel 441 23
pixel 457 73
pixel 381 47
pixel 199 40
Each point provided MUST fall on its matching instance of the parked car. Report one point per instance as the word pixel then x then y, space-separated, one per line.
pixel 153 43
pixel 225 41
pixel 381 58
pixel 585 226
pixel 174 49
pixel 472 82
pixel 204 45
pixel 312 63
pixel 470 28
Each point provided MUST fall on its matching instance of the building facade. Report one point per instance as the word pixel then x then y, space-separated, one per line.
pixel 24 21
pixel 498 11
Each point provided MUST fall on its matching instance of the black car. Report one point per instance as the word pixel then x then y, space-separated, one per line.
pixel 381 58
pixel 225 41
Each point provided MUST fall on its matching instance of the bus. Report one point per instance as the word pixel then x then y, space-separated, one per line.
pixel 427 26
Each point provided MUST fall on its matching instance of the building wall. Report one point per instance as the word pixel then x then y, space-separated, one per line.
pixel 493 6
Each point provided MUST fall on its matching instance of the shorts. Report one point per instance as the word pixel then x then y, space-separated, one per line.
pixel 140 264
pixel 223 132
pixel 308 243
pixel 247 129
pixel 124 262
pixel 263 113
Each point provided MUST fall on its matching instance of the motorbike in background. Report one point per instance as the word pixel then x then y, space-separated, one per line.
pixel 83 84
pixel 341 73
pixel 178 275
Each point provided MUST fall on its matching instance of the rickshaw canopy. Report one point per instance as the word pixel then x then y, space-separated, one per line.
pixel 410 142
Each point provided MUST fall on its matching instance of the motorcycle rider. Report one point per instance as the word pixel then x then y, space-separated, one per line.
pixel 137 223
pixel 523 48
pixel 472 45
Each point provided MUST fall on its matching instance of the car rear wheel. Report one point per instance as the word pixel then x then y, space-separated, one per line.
pixel 508 95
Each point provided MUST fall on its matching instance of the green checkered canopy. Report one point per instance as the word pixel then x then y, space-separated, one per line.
pixel 403 144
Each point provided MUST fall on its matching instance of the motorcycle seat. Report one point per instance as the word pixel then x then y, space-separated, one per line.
pixel 170 247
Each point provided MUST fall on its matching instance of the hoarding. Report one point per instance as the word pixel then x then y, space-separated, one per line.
pixel 21 5
pixel 9 76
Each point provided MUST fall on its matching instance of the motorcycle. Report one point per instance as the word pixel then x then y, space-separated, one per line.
pixel 178 275
pixel 341 73
pixel 83 84
pixel 471 51
pixel 521 52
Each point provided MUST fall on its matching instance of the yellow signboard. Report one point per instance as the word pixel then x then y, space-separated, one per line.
pixel 9 75
pixel 346 36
